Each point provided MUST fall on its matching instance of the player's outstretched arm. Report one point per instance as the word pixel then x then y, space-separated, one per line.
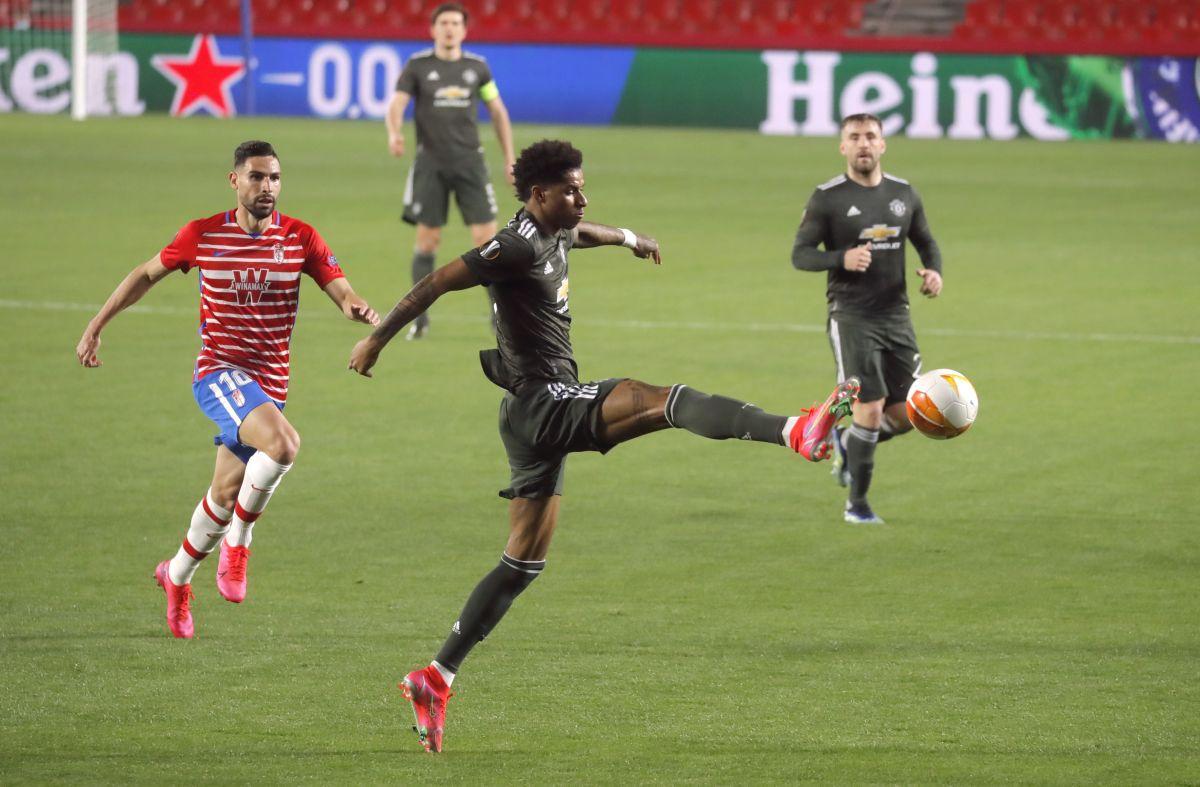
pixel 455 275
pixel 589 235
pixel 128 292
pixel 353 306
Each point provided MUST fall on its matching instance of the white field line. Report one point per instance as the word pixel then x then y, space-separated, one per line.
pixel 699 326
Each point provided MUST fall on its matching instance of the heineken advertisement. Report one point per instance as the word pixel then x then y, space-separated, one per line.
pixel 776 92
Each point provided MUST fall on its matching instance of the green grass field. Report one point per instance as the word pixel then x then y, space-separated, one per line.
pixel 1029 614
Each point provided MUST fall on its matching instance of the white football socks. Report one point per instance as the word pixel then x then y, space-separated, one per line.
pixel 787 429
pixel 446 674
pixel 263 474
pixel 209 524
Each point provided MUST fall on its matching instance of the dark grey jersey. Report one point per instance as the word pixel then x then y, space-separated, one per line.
pixel 840 215
pixel 446 95
pixel 525 272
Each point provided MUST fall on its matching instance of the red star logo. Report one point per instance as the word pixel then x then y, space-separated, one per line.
pixel 202 78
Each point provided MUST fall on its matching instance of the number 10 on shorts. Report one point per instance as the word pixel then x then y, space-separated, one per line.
pixel 232 380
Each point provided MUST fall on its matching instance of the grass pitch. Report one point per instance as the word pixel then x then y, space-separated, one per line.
pixel 1028 614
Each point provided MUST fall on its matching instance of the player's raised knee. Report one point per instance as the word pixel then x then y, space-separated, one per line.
pixel 284 446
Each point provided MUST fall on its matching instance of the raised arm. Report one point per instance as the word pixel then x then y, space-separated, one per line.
pixel 346 299
pixel 136 284
pixel 395 122
pixel 589 235
pixel 500 121
pixel 448 278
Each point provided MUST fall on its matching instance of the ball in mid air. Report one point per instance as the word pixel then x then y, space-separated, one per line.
pixel 942 404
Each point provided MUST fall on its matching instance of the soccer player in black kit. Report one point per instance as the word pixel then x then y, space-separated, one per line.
pixel 863 219
pixel 547 412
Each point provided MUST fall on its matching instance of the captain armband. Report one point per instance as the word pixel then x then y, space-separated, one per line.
pixel 489 91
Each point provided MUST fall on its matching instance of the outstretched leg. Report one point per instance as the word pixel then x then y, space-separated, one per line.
pixel 635 408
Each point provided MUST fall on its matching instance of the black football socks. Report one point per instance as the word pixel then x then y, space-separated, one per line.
pixel 860 458
pixel 422 266
pixel 722 418
pixel 487 603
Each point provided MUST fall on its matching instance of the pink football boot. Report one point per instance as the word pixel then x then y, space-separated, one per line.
pixel 179 599
pixel 428 693
pixel 231 572
pixel 810 436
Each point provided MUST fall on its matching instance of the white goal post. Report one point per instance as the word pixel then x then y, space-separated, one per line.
pixel 93 32
pixel 60 55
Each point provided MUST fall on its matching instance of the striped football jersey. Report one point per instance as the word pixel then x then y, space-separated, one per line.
pixel 250 291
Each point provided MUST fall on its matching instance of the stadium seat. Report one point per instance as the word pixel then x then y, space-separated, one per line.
pixel 1012 25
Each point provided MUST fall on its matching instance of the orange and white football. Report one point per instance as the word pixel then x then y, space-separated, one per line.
pixel 942 404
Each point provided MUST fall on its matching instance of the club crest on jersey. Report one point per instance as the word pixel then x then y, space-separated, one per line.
pixel 469 76
pixel 490 250
pixel 278 252
pixel 249 285
pixel 898 207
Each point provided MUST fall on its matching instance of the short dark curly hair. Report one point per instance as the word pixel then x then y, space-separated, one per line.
pixel 543 163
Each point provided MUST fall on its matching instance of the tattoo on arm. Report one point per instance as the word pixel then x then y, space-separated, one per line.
pixel 418 299
pixel 588 235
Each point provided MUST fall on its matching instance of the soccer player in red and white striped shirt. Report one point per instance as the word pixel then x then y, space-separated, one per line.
pixel 249 261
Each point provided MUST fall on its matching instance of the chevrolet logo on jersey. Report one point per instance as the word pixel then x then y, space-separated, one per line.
pixel 879 232
pixel 452 93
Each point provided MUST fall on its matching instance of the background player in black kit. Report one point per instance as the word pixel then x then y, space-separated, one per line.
pixel 863 219
pixel 546 412
pixel 446 84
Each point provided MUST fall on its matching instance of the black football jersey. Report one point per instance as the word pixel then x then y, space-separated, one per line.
pixel 842 214
pixel 525 272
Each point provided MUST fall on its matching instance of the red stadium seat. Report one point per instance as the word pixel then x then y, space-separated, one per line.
pixel 1011 25
pixel 662 15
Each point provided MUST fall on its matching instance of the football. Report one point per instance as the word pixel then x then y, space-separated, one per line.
pixel 942 404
